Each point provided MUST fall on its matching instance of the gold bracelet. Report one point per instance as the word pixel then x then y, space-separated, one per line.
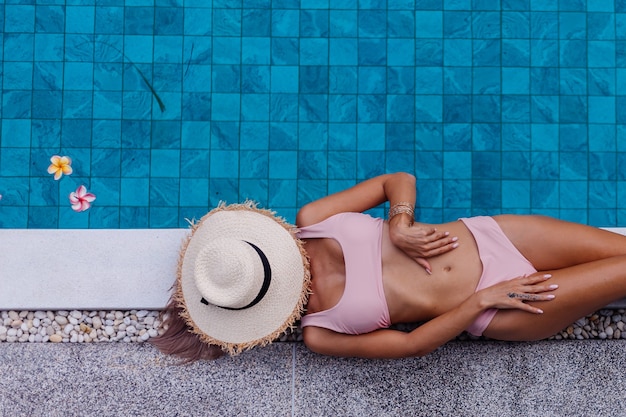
pixel 402 207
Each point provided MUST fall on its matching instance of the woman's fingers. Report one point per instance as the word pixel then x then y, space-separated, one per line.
pixel 529 308
pixel 543 288
pixel 434 235
pixel 534 284
pixel 532 291
pixel 522 292
pixel 530 297
pixel 440 246
pixel 534 279
pixel 519 301
pixel 424 264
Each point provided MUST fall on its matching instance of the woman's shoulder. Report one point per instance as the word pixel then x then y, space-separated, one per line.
pixel 309 215
pixel 337 218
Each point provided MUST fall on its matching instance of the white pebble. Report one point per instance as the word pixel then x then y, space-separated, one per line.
pixel 3 330
pixel 62 320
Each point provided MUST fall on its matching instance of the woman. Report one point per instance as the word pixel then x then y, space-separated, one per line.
pixel 506 277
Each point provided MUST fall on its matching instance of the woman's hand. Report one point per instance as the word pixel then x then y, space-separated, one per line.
pixel 420 241
pixel 514 293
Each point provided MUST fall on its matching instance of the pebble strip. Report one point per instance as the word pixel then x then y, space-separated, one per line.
pixel 79 326
pixel 140 325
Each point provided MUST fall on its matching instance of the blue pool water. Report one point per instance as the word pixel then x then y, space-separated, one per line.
pixel 167 107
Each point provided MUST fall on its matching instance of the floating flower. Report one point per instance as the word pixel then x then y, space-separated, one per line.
pixel 60 165
pixel 81 200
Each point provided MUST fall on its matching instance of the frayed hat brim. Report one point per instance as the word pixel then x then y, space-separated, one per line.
pixel 206 322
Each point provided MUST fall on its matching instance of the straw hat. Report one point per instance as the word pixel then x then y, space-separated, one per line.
pixel 243 277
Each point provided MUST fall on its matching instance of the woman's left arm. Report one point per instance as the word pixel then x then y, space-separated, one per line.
pixel 417 240
pixel 386 343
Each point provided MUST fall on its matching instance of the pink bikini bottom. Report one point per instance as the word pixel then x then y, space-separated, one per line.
pixel 501 262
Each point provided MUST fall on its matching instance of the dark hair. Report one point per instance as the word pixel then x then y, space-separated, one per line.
pixel 179 340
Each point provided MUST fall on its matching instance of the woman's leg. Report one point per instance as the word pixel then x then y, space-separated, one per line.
pixel 588 264
pixel 553 244
pixel 582 290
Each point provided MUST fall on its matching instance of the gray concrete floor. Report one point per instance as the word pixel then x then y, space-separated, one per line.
pixel 463 378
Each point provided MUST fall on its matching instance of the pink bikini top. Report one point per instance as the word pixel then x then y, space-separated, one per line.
pixel 362 307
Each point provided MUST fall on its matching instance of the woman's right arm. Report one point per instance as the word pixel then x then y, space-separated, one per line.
pixel 426 338
pixel 417 240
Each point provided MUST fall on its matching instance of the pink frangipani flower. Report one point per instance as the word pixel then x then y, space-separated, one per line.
pixel 81 200
pixel 60 165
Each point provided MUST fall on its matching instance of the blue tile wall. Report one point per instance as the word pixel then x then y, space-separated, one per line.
pixel 168 107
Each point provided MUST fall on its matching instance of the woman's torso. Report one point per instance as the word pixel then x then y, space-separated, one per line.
pixel 411 293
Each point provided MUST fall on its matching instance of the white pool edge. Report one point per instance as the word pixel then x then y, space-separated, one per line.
pixel 95 269
pixel 89 269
